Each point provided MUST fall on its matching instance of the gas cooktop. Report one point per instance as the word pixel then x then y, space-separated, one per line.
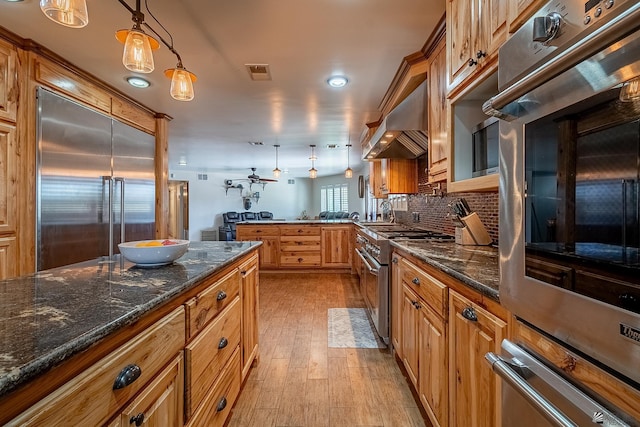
pixel 397 231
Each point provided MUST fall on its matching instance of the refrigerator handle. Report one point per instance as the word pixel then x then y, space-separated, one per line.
pixel 110 212
pixel 122 223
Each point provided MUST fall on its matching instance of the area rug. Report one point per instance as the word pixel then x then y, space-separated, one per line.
pixel 351 328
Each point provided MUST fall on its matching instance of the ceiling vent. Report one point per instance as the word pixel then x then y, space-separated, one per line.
pixel 259 72
pixel 256 142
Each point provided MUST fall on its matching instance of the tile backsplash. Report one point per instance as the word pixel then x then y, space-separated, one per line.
pixel 433 211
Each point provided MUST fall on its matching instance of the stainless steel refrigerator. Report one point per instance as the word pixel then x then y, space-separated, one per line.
pixel 95 183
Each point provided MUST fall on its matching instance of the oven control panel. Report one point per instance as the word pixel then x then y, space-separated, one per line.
pixel 556 26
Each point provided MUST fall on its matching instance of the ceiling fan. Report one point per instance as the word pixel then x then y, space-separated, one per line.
pixel 255 179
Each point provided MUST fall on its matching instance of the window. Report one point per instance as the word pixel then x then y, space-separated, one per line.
pixel 334 198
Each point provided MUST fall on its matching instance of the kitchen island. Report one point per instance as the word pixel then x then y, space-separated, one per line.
pixel 56 324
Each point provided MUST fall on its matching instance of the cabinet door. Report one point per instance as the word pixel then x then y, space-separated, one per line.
pixel 376 182
pixel 397 301
pixel 433 367
pixel 249 323
pixel 8 178
pixel 335 246
pixel 401 175
pixel 410 322
pixel 8 260
pixel 438 143
pixel 494 29
pixel 474 388
pixel 8 83
pixel 269 251
pixel 160 403
pixel 460 36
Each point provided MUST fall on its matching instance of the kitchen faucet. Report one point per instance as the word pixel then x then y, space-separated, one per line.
pixel 387 211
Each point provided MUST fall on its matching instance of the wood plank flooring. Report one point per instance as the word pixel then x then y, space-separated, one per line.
pixel 300 381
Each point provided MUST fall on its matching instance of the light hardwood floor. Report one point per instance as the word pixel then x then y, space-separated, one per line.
pixel 300 381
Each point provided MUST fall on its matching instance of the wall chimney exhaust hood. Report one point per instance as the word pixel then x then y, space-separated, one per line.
pixel 403 133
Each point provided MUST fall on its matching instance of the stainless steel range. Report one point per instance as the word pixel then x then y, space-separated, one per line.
pixel 374 251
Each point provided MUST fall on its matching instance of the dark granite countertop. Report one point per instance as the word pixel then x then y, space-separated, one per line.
pixel 475 266
pixel 48 317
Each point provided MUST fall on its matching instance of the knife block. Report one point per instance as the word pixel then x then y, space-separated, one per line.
pixel 473 233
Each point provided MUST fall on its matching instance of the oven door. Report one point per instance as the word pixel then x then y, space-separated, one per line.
pixel 533 395
pixel 569 213
pixel 374 284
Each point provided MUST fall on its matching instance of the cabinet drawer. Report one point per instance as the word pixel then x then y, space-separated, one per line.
pixel 304 230
pixel 205 357
pixel 206 305
pixel 301 259
pixel 219 401
pixel 90 398
pixel 257 230
pixel 430 289
pixel 300 243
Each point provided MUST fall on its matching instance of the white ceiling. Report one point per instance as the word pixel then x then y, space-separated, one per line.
pixel 303 41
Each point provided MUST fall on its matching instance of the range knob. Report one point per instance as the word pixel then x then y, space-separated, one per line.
pixel 546 28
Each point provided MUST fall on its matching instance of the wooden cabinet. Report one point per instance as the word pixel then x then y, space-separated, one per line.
pixel 396 302
pixel 437 107
pixel 335 246
pixel 474 388
pixel 160 404
pixel 270 238
pixel 424 338
pixel 7 257
pixel 393 176
pixel 521 10
pixel 93 397
pixel 8 178
pixel 249 288
pixel 8 83
pixel 300 246
pixel 475 31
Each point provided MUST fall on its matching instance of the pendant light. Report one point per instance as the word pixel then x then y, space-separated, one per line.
pixel 313 172
pixel 137 55
pixel 348 173
pixel 181 82
pixel 276 171
pixel 70 13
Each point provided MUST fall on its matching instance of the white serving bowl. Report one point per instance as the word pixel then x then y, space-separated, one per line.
pixel 140 254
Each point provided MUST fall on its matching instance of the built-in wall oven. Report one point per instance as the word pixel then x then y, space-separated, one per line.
pixel 569 101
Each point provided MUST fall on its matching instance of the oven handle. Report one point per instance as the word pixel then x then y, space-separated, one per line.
pixel 619 27
pixel 372 270
pixel 550 412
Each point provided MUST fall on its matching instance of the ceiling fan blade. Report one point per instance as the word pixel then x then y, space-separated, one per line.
pixel 268 180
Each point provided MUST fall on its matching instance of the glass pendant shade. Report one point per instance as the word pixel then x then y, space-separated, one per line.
pixel 181 83
pixel 313 172
pixel 70 13
pixel 137 55
pixel 348 173
pixel 276 171
pixel 630 91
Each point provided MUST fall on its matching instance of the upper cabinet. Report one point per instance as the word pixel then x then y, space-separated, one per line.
pixel 437 110
pixel 8 82
pixel 475 31
pixel 393 176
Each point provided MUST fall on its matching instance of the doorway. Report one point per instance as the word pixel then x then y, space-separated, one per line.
pixel 179 210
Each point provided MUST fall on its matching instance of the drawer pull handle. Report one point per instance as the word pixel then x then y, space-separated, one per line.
pixel 300 259
pixel 222 404
pixel 470 314
pixel 395 260
pixel 223 343
pixel 415 281
pixel 137 420
pixel 221 295
pixel 128 375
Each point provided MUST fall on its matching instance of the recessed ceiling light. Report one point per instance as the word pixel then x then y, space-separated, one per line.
pixel 138 82
pixel 337 81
